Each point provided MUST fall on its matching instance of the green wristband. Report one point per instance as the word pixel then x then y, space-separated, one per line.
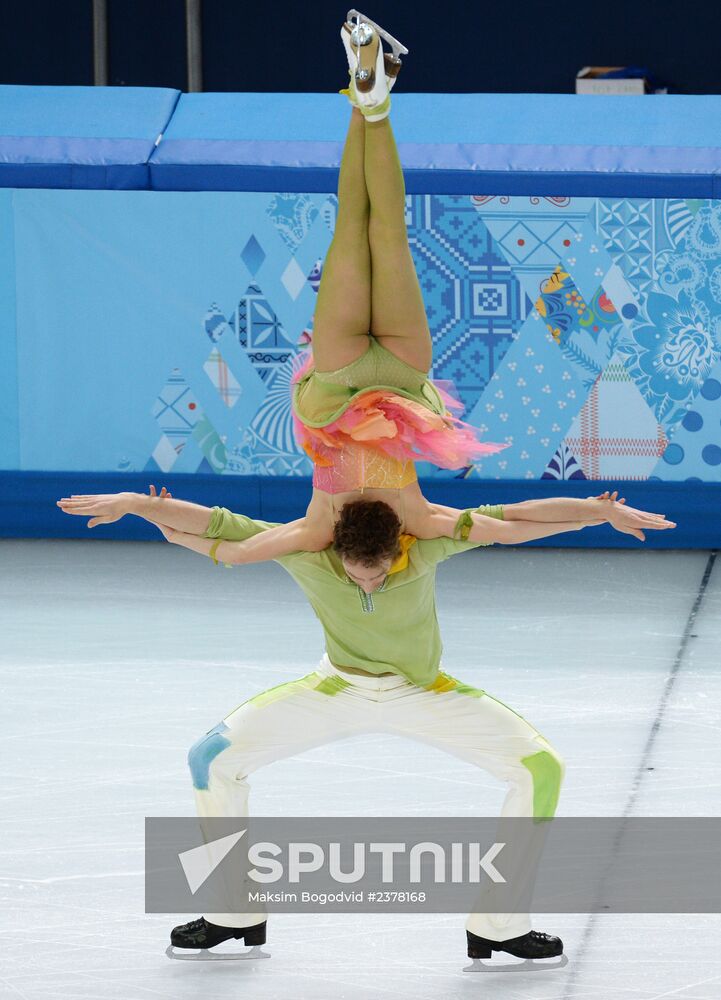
pixel 463 526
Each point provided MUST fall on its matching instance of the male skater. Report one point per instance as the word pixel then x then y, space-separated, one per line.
pixel 373 591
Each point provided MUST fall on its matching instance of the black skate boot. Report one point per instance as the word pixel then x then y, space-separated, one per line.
pixel 204 935
pixel 531 946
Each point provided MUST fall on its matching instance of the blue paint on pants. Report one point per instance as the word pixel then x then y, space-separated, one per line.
pixel 202 754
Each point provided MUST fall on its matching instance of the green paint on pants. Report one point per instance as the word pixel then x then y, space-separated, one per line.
pixel 326 685
pixel 547 773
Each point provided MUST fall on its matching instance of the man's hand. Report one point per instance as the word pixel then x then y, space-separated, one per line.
pixel 628 520
pixel 104 507
pixel 169 533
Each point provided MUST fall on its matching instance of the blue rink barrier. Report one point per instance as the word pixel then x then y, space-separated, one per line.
pixel 538 144
pixel 508 144
pixel 28 505
pixel 81 137
pixel 160 256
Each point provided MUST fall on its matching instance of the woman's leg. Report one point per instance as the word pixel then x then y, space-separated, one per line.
pixel 343 308
pixel 398 315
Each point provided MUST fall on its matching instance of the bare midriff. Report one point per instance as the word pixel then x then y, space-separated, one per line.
pixel 413 510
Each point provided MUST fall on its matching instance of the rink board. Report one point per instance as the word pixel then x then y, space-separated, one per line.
pixel 568 250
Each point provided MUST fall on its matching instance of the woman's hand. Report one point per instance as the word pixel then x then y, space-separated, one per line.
pixel 104 507
pixel 630 521
pixel 612 497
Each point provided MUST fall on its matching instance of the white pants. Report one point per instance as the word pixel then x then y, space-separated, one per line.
pixel 330 704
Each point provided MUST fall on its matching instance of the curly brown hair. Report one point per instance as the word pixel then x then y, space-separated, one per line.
pixel 367 532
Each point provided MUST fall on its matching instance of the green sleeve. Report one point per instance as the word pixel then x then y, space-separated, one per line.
pixel 234 527
pixel 435 550
pixel 229 527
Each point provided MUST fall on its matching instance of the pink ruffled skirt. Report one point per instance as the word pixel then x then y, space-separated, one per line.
pixel 381 434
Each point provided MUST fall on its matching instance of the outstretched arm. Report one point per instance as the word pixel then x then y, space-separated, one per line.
pixel 605 506
pixel 105 508
pixel 479 528
pixel 553 509
pixel 561 510
pixel 181 521
pixel 245 540
pixel 270 543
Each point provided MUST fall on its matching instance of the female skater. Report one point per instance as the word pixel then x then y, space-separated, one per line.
pixel 363 406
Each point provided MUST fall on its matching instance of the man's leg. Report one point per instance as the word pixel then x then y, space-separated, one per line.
pixel 472 725
pixel 283 721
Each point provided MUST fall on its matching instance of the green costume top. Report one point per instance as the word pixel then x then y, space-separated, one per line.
pixel 319 398
pixel 393 629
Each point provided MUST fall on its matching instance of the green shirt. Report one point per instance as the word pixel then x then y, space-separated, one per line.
pixel 393 629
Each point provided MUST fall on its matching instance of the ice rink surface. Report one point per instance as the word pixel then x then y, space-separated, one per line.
pixel 116 656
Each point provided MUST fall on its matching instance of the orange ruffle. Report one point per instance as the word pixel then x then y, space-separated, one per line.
pixel 398 428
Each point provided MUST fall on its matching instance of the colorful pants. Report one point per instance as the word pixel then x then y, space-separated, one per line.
pixel 329 704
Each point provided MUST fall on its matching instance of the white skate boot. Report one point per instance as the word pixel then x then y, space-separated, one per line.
pixel 391 62
pixel 372 72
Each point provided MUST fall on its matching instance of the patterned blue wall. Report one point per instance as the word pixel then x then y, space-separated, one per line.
pixel 158 331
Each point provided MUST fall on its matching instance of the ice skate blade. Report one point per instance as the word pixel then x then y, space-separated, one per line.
pixel 398 47
pixel 208 956
pixel 528 965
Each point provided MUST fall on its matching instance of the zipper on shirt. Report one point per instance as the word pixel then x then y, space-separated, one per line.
pixel 367 599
